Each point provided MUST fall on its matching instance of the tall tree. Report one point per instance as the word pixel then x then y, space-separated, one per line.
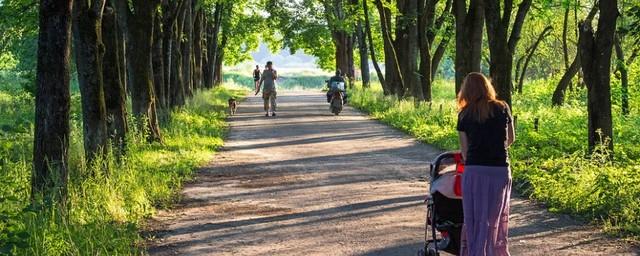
pixel 362 50
pixel 157 60
pixel 528 55
pixel 372 49
pixel 170 10
pixel 428 26
pixel 447 31
pixel 338 18
pixel 595 56
pixel 406 43
pixel 89 52
pixel 178 93
pixel 565 32
pixel 51 138
pixel 187 48
pixel 558 94
pixel 198 46
pixel 469 28
pixel 393 72
pixel 502 42
pixel 139 16
pixel 621 66
pixel 213 29
pixel 219 59
pixel 113 76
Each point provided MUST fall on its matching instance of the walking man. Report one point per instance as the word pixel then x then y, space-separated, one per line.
pixel 268 79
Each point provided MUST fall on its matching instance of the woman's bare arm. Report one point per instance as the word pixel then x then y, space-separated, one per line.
pixel 511 134
pixel 464 144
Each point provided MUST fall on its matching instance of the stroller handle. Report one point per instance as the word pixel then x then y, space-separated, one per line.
pixel 434 170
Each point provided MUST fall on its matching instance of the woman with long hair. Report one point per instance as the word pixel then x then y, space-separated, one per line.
pixel 486 131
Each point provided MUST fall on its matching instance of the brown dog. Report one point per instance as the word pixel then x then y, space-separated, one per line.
pixel 233 106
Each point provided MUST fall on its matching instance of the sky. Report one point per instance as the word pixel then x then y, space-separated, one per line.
pixel 282 61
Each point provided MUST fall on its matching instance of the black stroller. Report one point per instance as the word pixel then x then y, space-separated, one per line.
pixel 444 205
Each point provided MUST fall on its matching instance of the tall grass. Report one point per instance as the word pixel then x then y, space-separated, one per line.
pixel 550 164
pixel 105 210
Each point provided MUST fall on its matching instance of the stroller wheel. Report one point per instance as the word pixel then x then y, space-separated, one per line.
pixel 432 252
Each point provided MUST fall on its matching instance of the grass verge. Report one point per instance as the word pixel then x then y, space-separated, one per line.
pixel 549 163
pixel 105 211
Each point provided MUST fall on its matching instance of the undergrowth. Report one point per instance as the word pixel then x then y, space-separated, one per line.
pixel 105 209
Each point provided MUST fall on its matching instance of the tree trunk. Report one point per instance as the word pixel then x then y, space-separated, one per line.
pixel 170 11
pixel 140 42
pixel 197 50
pixel 114 91
pixel 187 49
pixel 407 43
pixel 393 73
pixel 372 50
pixel 425 19
pixel 502 44
pixel 621 66
pixel 565 28
pixel 469 28
pixel 212 51
pixel 158 62
pixel 439 53
pixel 444 41
pixel 574 68
pixel 122 45
pixel 207 71
pixel 364 57
pixel 177 85
pixel 428 26
pixel 530 53
pixel 89 52
pixel 53 100
pixel 595 56
pixel 177 80
pixel 218 75
pixel 344 53
pixel 565 81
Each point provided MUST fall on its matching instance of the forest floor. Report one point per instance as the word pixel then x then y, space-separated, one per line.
pixel 310 183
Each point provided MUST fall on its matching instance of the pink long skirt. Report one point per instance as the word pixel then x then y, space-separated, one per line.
pixel 486 191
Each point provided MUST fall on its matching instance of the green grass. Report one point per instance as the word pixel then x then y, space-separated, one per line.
pixel 551 164
pixel 104 212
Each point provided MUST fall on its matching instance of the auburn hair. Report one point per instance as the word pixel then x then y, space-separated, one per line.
pixel 477 98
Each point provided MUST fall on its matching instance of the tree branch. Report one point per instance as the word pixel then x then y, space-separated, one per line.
pixel 523 9
pixel 506 13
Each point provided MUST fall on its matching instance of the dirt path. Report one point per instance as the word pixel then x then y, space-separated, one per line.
pixel 309 183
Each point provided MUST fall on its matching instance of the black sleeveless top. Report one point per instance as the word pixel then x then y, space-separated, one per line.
pixel 486 140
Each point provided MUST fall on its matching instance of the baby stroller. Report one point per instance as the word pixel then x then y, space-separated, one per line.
pixel 444 205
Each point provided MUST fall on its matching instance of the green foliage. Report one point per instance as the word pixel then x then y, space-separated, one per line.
pixel 549 164
pixel 19 32
pixel 105 209
pixel 242 27
pixel 302 25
